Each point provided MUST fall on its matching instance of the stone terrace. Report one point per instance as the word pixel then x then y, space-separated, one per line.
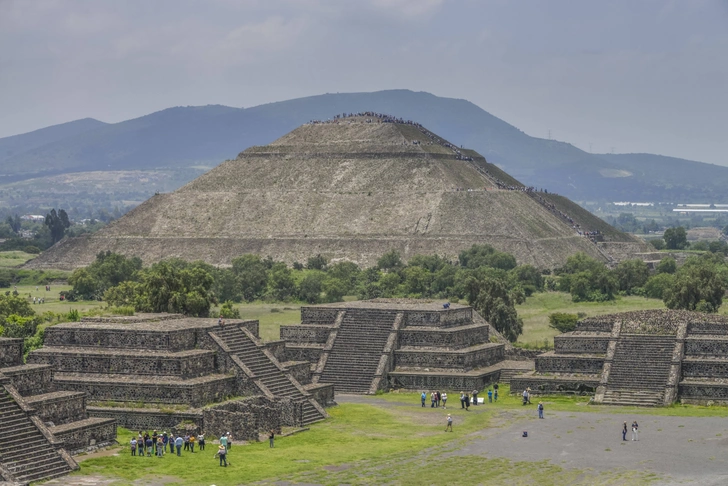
pixel 638 358
pixel 160 360
pixel 365 346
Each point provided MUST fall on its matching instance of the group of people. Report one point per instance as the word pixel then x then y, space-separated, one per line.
pixel 635 431
pixel 156 444
pixel 438 399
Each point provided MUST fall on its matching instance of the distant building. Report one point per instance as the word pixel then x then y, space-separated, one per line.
pixel 33 217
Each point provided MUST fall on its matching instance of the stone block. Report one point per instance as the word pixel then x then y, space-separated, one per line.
pixel 453 337
pixel 78 436
pixel 461 359
pixel 308 333
pixel 11 352
pixel 59 407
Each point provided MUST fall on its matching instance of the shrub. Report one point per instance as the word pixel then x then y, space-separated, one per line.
pixel 563 322
pixel 126 310
pixel 228 311
pixel 33 250
pixel 73 315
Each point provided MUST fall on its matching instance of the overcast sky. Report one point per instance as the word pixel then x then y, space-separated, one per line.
pixel 635 75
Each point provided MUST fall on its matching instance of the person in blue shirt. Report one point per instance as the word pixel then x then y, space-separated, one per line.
pixel 178 444
pixel 423 397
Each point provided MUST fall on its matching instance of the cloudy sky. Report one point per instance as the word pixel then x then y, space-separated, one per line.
pixel 635 76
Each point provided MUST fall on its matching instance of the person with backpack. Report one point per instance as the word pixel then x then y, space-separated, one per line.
pixel 222 454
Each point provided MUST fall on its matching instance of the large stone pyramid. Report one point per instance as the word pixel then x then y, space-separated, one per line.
pixel 351 188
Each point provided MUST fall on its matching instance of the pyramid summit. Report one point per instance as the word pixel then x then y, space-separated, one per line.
pixel 353 187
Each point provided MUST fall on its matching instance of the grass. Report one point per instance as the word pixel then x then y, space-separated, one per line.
pixel 271 317
pixel 535 312
pixel 14 258
pixel 361 444
pixel 52 299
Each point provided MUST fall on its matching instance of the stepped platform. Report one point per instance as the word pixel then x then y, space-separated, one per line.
pixel 60 407
pixel 30 378
pixel 152 389
pixel 11 352
pixel 91 432
pixel 648 358
pixel 189 363
pixel 365 346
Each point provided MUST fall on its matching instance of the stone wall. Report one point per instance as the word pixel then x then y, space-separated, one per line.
pixel 11 352
pixel 595 324
pixel 308 333
pixel 186 364
pixel 277 349
pixel 318 315
pixel 323 393
pixel 141 419
pixel 548 363
pixel 31 380
pixel 586 344
pixel 701 392
pixel 455 338
pixel 709 328
pixel 442 381
pixel 467 359
pixel 78 436
pixel 706 347
pixel 59 407
pixel 171 340
pixel 585 385
pixel 444 318
pixel 194 394
pixel 303 352
pixel 301 370
pixel 704 368
pixel 248 417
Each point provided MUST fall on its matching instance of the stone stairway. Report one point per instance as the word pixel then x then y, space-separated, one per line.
pixel 24 451
pixel 265 370
pixel 640 370
pixel 360 341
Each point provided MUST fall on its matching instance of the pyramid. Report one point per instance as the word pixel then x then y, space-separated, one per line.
pixel 351 188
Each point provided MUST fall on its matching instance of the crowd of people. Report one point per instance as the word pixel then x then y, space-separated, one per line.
pixel 155 444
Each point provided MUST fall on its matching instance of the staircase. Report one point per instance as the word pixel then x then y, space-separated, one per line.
pixel 24 451
pixel 360 341
pixel 640 370
pixel 266 371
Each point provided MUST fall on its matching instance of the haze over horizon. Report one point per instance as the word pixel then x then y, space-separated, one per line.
pixel 628 76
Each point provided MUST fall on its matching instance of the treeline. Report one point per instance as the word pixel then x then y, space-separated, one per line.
pixel 699 284
pixel 488 279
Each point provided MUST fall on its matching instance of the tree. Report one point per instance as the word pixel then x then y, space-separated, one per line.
pixel 656 285
pixel 14 223
pixel 631 274
pixel 562 321
pixel 666 265
pixel 252 275
pixel 675 238
pixel 317 263
pixel 309 288
pixel 486 256
pixel 280 282
pixel 492 299
pixel 57 223
pixel 168 287
pixel 390 261
pixel 334 289
pixel 698 285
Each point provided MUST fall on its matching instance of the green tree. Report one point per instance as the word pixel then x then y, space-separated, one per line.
pixel 528 277
pixel 334 289
pixel 228 311
pixel 493 300
pixel 390 261
pixel 562 321
pixel 57 223
pixel 486 256
pixel 168 288
pixel 347 273
pixel 416 281
pixel 666 265
pixel 317 263
pixel 252 276
pixel 675 238
pixel 310 287
pixel 280 282
pixel 14 223
pixel 698 285
pixel 656 285
pixel 631 274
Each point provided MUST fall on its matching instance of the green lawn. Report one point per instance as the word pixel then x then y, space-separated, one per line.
pixel 365 443
pixel 535 312
pixel 14 258
pixel 52 299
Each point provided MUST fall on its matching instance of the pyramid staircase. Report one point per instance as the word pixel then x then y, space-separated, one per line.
pixel 267 371
pixel 26 454
pixel 360 342
pixel 640 370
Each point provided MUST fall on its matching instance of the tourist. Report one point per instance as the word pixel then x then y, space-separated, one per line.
pixel 171 443
pixel 467 402
pixel 635 434
pixel 444 400
pixel 222 454
pixel 462 399
pixel 154 436
pixel 423 397
pixel 140 445
pixel 192 443
pixel 271 438
pixel 221 321
pixel 150 446
pixel 490 396
pixel 495 392
pixel 165 440
pixel 229 440
pixel 224 441
pixel 525 397
pixel 449 423
pixel 475 397
pixel 438 398
pixel 134 444
pixel 187 442
pixel 201 441
pixel 624 432
pixel 160 447
pixel 432 399
pixel 540 410
pixel 178 444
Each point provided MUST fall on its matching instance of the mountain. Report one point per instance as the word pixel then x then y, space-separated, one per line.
pixel 350 189
pixel 202 137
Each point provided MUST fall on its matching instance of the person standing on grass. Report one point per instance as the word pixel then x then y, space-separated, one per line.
pixel 223 441
pixel 444 400
pixel 423 397
pixel 271 438
pixel 624 432
pixel 171 443
pixel 201 441
pixel 178 444
pixel 150 446
pixel 540 410
pixel 495 392
pixel 140 446
pixel 165 441
pixel 635 433
pixel 222 454
pixel 462 399
pixel 449 423
pixel 134 444
pixel 467 402
pixel 160 447
pixel 187 442
pixel 490 396
pixel 229 441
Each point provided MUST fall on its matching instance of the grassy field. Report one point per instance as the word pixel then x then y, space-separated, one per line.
pixel 14 258
pixel 375 442
pixel 535 312
pixel 52 300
